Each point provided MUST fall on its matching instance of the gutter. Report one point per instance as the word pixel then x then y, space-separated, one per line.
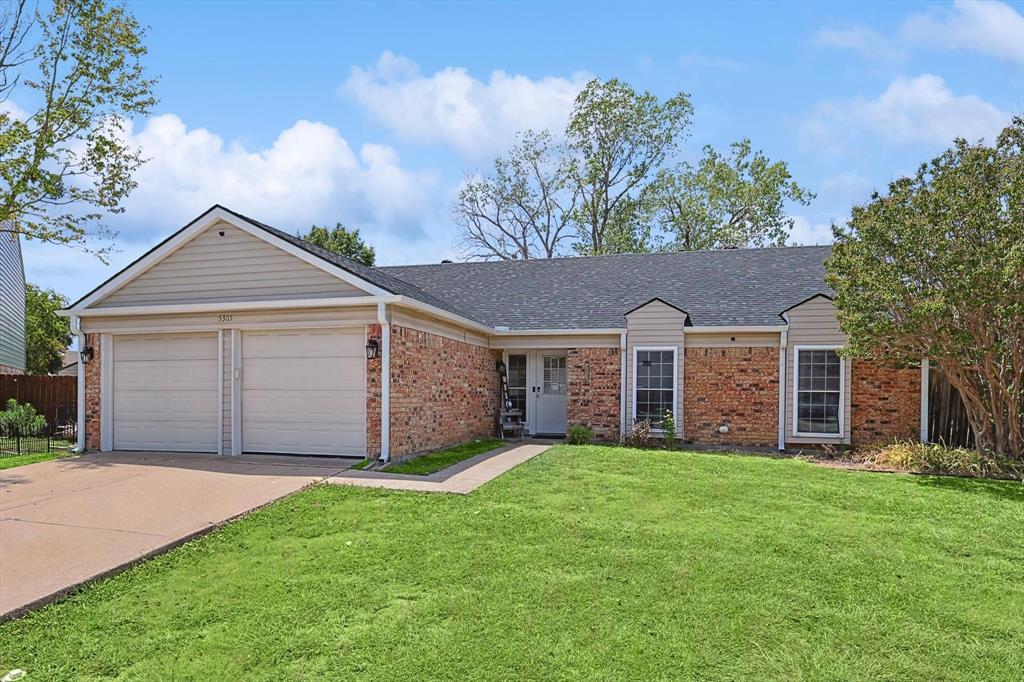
pixel 76 329
pixel 385 382
pixel 783 352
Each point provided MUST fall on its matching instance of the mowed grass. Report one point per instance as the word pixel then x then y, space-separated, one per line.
pixel 442 459
pixel 583 563
pixel 11 461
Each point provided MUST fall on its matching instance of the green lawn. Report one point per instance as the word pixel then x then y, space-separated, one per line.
pixel 441 459
pixel 30 457
pixel 583 563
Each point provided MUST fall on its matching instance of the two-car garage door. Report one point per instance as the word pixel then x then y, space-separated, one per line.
pixel 299 391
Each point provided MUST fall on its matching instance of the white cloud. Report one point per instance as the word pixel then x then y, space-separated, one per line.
pixel 864 40
pixel 987 26
pixel 451 107
pixel 807 233
pixel 308 174
pixel 920 110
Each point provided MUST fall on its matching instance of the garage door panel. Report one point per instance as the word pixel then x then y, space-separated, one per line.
pixel 327 343
pixel 303 374
pixel 165 392
pixel 167 375
pixel 304 392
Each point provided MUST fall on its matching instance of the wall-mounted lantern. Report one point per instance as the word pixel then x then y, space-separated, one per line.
pixel 86 354
pixel 372 349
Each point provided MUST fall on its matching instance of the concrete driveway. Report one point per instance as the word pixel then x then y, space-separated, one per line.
pixel 67 521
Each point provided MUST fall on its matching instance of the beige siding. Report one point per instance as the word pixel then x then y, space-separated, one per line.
pixel 814 323
pixel 432 325
pixel 655 324
pixel 259 319
pixel 226 395
pixel 732 340
pixel 234 267
pixel 542 341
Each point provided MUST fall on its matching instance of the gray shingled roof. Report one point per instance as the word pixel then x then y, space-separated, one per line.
pixel 733 287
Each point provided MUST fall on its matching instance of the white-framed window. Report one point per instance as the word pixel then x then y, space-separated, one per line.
pixel 655 378
pixel 819 391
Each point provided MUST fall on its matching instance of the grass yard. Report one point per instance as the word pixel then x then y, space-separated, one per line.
pixel 442 459
pixel 9 462
pixel 583 563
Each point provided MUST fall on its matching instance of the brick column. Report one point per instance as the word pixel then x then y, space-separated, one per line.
pixel 92 394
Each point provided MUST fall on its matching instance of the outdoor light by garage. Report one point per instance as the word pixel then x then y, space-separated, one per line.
pixel 86 354
pixel 372 349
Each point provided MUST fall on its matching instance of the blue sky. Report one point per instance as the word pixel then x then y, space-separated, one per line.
pixel 296 113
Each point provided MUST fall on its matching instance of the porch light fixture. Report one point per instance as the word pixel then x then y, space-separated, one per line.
pixel 372 349
pixel 86 354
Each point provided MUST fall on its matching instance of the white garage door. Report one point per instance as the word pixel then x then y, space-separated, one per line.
pixel 303 392
pixel 165 392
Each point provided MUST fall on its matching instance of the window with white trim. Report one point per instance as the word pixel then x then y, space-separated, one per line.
pixel 819 385
pixel 654 387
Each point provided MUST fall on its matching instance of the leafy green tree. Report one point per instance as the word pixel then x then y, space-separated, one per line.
pixel 341 241
pixel 935 269
pixel 733 201
pixel 47 335
pixel 619 139
pixel 522 210
pixel 65 163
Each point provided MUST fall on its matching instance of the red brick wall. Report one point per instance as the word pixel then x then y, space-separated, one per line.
pixel 734 387
pixel 373 398
pixel 885 404
pixel 92 394
pixel 594 390
pixel 443 392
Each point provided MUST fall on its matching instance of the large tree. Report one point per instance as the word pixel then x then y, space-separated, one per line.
pixel 341 241
pixel 619 139
pixel 71 76
pixel 523 209
pixel 726 201
pixel 47 334
pixel 935 269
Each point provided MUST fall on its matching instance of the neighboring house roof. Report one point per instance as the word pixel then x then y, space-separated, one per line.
pixel 12 302
pixel 716 288
pixel 70 365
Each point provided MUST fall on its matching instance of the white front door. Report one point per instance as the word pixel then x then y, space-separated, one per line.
pixel 165 392
pixel 303 392
pixel 550 377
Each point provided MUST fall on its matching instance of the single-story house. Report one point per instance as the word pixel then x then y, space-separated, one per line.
pixel 234 337
pixel 69 366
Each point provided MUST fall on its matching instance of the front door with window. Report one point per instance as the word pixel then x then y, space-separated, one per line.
pixel 537 385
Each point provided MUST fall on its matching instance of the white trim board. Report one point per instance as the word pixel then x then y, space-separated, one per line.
pixel 208 219
pixel 842 393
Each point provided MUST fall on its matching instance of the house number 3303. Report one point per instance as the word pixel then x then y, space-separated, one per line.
pixel 225 318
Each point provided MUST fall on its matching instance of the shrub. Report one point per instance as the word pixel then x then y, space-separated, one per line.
pixel 21 419
pixel 578 435
pixel 668 425
pixel 934 458
pixel 640 436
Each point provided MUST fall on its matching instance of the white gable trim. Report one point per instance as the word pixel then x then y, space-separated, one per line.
pixel 200 224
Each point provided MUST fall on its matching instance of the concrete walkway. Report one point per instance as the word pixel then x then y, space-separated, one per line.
pixel 461 478
pixel 68 521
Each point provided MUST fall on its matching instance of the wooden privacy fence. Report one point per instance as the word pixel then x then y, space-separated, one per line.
pixel 947 416
pixel 56 397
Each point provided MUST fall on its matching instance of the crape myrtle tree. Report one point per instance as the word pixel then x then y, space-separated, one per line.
pixel 935 269
pixel 71 78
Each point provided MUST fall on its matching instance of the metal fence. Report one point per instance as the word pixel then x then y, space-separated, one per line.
pixel 59 436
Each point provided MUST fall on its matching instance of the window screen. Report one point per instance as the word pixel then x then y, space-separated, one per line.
pixel 818 391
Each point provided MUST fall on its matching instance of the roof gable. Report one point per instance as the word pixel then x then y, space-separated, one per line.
pixel 212 217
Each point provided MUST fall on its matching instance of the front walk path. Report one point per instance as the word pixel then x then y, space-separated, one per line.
pixel 461 478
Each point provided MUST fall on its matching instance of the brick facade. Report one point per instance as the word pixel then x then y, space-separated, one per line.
pixel 594 389
pixel 443 392
pixel 92 394
pixel 885 404
pixel 734 387
pixel 373 397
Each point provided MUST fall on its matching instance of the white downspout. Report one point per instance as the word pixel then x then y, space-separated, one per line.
pixel 783 351
pixel 622 383
pixel 76 329
pixel 385 382
pixel 925 379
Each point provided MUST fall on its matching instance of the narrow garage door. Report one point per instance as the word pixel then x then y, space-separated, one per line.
pixel 165 392
pixel 303 392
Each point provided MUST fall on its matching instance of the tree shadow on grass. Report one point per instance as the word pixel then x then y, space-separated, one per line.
pixel 1006 490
